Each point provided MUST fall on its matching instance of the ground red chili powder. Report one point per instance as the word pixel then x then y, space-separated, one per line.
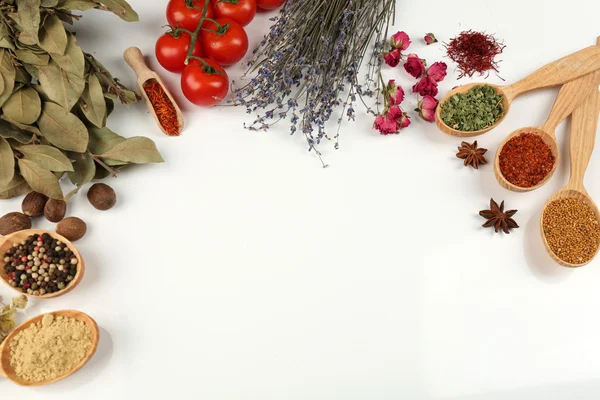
pixel 526 160
pixel 165 111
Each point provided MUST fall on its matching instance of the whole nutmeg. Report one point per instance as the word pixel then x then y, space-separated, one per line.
pixel 72 228
pixel 33 204
pixel 102 196
pixel 14 222
pixel 55 210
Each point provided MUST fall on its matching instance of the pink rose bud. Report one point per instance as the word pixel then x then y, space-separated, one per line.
pixel 430 39
pixel 392 58
pixel 438 71
pixel 400 41
pixel 394 93
pixel 427 108
pixel 427 86
pixel 385 125
pixel 414 66
pixel 402 119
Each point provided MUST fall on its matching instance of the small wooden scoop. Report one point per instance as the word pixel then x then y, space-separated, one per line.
pixel 7 241
pixel 583 135
pixel 8 372
pixel 556 73
pixel 571 96
pixel 134 57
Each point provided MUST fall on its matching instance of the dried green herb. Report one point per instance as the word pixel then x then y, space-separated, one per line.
pixel 477 109
pixel 7 315
pixel 55 100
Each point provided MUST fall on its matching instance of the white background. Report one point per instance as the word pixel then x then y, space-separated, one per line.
pixel 240 269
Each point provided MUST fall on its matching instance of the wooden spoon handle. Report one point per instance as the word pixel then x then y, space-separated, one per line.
pixel 2 373
pixel 571 96
pixel 558 72
pixel 583 136
pixel 134 57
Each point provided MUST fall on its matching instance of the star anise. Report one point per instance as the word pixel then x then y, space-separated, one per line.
pixel 472 155
pixel 498 218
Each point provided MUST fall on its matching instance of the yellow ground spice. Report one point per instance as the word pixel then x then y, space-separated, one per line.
pixel 572 230
pixel 49 349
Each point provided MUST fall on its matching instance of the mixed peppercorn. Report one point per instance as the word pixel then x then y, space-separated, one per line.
pixel 40 265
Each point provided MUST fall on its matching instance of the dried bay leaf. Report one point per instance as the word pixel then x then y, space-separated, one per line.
pixel 28 128
pixel 22 77
pixel 24 106
pixel 29 57
pixel 122 9
pixel 60 86
pixel 5 39
pixel 41 180
pixel 103 139
pixel 33 71
pixel 28 18
pixel 84 169
pixel 80 5
pixel 49 3
pixel 47 157
pixel 7 162
pixel 17 187
pixel 8 72
pixel 72 61
pixel 63 129
pixel 92 103
pixel 53 37
pixel 137 150
pixel 10 131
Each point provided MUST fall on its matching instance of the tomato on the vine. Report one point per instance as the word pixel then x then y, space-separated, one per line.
pixel 226 43
pixel 180 15
pixel 172 48
pixel 204 82
pixel 269 4
pixel 241 11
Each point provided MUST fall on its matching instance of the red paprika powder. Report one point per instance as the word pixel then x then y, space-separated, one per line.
pixel 526 160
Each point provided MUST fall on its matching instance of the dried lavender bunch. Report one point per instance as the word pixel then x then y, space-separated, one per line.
pixel 307 67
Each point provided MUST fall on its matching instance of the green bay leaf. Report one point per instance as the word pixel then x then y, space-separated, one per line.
pixel 92 104
pixel 28 128
pixel 17 187
pixel 49 3
pixel 84 169
pixel 79 5
pixel 24 106
pixel 5 39
pixel 29 57
pixel 63 129
pixel 28 18
pixel 8 130
pixel 53 37
pixel 41 180
pixel 136 150
pixel 7 162
pixel 62 87
pixel 103 139
pixel 47 157
pixel 122 9
pixel 72 61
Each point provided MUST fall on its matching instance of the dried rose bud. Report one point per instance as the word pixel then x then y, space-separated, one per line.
pixel 430 39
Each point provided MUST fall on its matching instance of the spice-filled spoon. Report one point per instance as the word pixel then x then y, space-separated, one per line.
pixel 528 157
pixel 556 73
pixel 55 273
pixel 570 219
pixel 159 101
pixel 7 370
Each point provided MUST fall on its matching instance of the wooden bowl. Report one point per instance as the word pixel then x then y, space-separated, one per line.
pixel 7 371
pixel 6 242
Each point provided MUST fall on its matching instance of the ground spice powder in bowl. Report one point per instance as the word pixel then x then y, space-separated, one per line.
pixel 572 230
pixel 526 160
pixel 50 349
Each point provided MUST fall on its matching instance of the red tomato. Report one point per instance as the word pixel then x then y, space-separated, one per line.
pixel 171 51
pixel 241 11
pixel 204 83
pixel 227 44
pixel 181 16
pixel 269 4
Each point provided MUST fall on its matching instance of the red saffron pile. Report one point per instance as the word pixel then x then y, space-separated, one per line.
pixel 165 111
pixel 474 52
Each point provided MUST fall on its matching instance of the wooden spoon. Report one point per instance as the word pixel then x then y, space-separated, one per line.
pixel 556 73
pixel 584 126
pixel 134 57
pixel 8 372
pixel 6 243
pixel 572 95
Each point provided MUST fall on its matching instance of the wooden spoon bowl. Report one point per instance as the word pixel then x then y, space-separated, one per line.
pixel 549 139
pixel 7 242
pixel 8 371
pixel 556 73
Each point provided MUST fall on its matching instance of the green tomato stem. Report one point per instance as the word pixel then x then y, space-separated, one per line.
pixel 196 33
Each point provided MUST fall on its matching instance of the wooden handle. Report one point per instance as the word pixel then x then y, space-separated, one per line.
pixel 558 72
pixel 571 96
pixel 2 373
pixel 134 57
pixel 583 136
